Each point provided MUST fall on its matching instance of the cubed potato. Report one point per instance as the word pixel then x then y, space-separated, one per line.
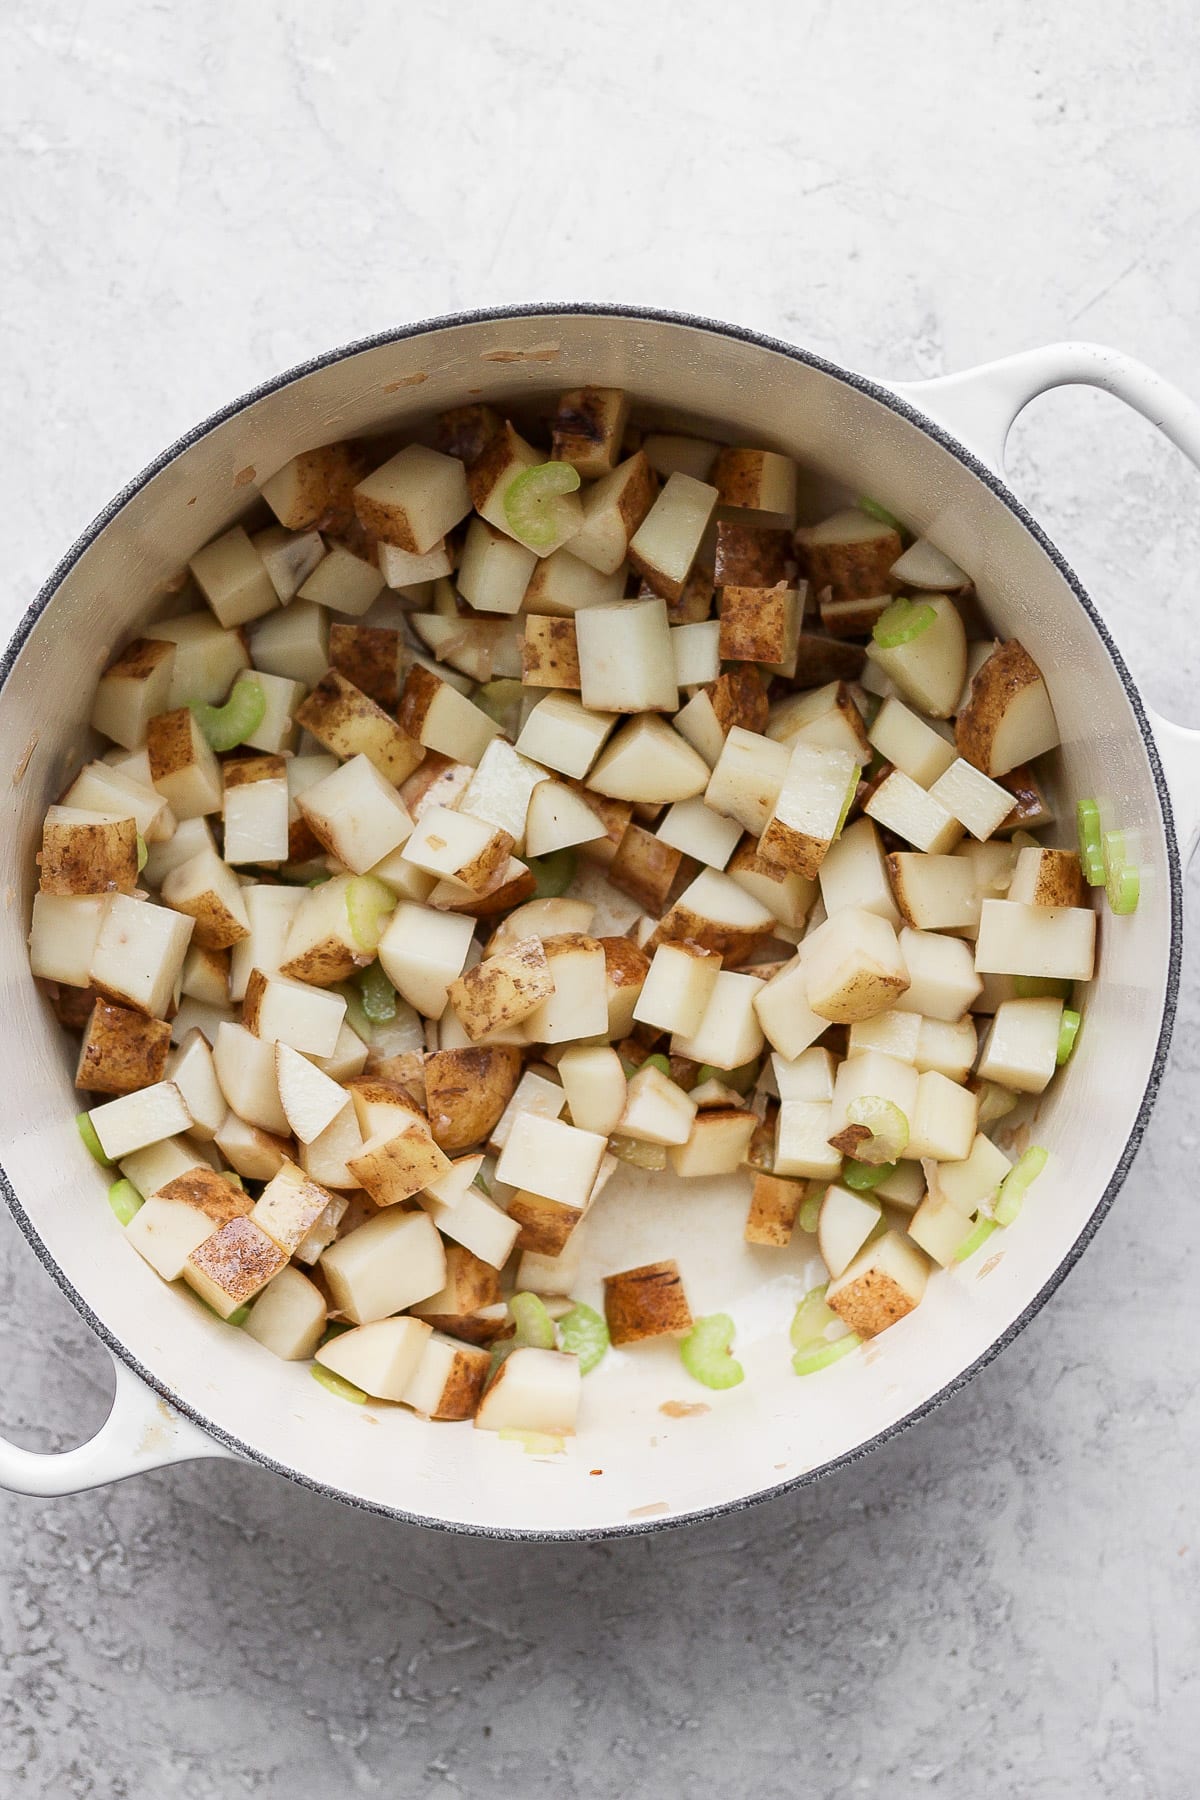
pixel 696 649
pixel 422 952
pixel 911 745
pixel 550 654
pixel 134 1120
pixel 934 893
pixel 942 978
pixel 139 952
pixel 133 689
pixel 207 659
pixel 192 1070
pixel 901 806
pixel 657 1110
pixel 62 939
pixel 544 1226
pixel 293 645
pixel 594 1083
pixel 356 814
pixel 973 1183
pixel 280 1010
pixel 1054 941
pixel 871 1073
pixel 344 581
pixel 716 914
pixel 205 889
pixel 507 888
pixel 938 1227
pixel 409 573
pixel 327 1157
pixel 752 555
pixel 289 557
pixel 349 1055
pixel 1007 718
pixel 729 1033
pixel 587 429
pixel 736 698
pixel 467 1092
pixel 845 1222
pixel 558 818
pixel 786 894
pixel 254 1153
pixel 1047 878
pixel 855 873
pixel 808 1076
pixel 245 1067
pixel 502 990
pixel 502 462
pixel 664 546
pixel 476 1223
pixel 577 1006
pixel 479 649
pixel 289 1316
pixel 369 656
pixel 495 569
pixel 535 1094
pixel 678 988
pixel 289 1206
pixel 499 789
pixel 99 788
pixel 853 967
pixel 646 1302
pixel 183 768
pixel 231 575
pixel 449 1379
pixel 748 777
pixel 255 810
pixel 699 832
pixel 626 660
pixel 929 669
pixel 670 451
pixel 455 846
pixel 1021 1048
pixel 535 1391
pixel 851 554
pixel 269 913
pixel 948 1047
pixel 894 1033
pixel 809 808
pixel 760 624
pixel 388 1264
pixel 413 499
pixel 440 718
pixel 384 1106
pixel 350 724
pixel 718 1144
pixel 977 802
pixel 466 431
pixel 650 871
pixel 179 1218
pixel 545 1156
pixel 562 586
pixel 851 618
pixel 451 1188
pixel 944 1121
pixel 470 1285
pixel 1032 810
pixel 316 487
pixel 757 481
pixel 121 1050
pixel 552 1276
pixel 613 511
pixel 87 852
pixel 885 1282
pixel 775 1204
pixel 321 946
pixel 625 970
pixel 323 1232
pixel 646 761
pixel 827 718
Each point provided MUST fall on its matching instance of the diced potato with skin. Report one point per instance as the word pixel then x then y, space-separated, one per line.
pixel 183 768
pixel 277 731
pixel 664 546
pixel 384 1266
pixel 809 1076
pixel 440 718
pixel 191 1068
pixel 349 1055
pixel 138 954
pixel 121 1050
pixel 977 802
pixel 646 1302
pixel 206 889
pixel 356 814
pixel 245 1067
pixel 851 618
pixel 788 1021
pixel 756 480
pixel 289 557
pixel 594 1083
pixel 189 836
pixel 289 1316
pixel 785 893
pixel 729 1033
pixel 950 1048
pixel 98 788
pixel 901 806
pixel 478 1224
pixel 503 460
pixel 562 586
pixel 467 1093
pixel 944 1121
pixel 885 1282
pixel 904 1188
pixel 384 1106
pixel 449 1379
pixel 499 790
pixel 854 872
pixel 625 970
pixel 588 427
pixel 748 778
pixel 736 698
pixel 827 718
pixel 134 1120
pixel 657 1110
pixel 503 989
pixel 408 572
pixel 413 499
pixel 308 1097
pixel 323 1233
pixel 845 1222
pixel 894 1033
pixel 1021 1047
pixel 934 893
pixel 134 687
pixel 544 1226
pixel 535 1391
pixel 507 888
pixel 327 1157
pixel 694 828
pixel 207 659
pixel 269 912
pixel 1054 941
pixel 613 511
pixel 929 669
pixel 293 645
pixel 626 660
pixel 851 554
pixel 466 431
pixel 495 569
pixel 550 653
pixel 939 1227
pixel 942 977
pixel 649 870
pixel 315 488
pixel 321 947
pixel 871 1073
pixel 543 1155
pixel 370 657
pixel 470 1285
pixel 853 967
pixel 455 846
pixel 911 745
pixel 289 1206
pixel 718 1144
pixel 451 1187
pixel 552 1276
pixel 752 555
pixel 697 652
pixel 716 914
pixel 1047 878
pixel 972 1183
pixel 280 1010
pixel 678 988
pixel 760 624
pixel 542 919
pixel 775 1204
pixel 177 1218
pixel 254 1153
pixel 668 451
pixel 422 952
pixel 255 809
pixel 1007 718
pixel 558 818
pixel 233 579
pixel 349 724
pixel 577 1007
pixel 647 761
pixel 87 852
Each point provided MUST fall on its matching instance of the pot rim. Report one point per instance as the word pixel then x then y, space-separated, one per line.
pixel 895 403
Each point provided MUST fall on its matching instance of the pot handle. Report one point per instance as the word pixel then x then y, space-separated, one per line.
pixel 141 1432
pixel 980 406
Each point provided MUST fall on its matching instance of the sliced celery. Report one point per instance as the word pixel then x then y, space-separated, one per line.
pixel 369 903
pixel 1122 879
pixel 583 1333
pixel 534 1443
pixel 356 1012
pixel 812 1318
pixel 705 1353
pixel 553 874
pixel 1091 843
pixel 143 852
pixel 886 1123
pixel 534 1326
pixel 847 803
pixel 91 1142
pixel 1041 987
pixel 125 1200
pixel 661 1063
pixel 903 621
pixel 225 727
pixel 238 1316
pixel 995 1103
pixel 975 1239
pixel 344 1390
pixel 378 995
pixel 501 700
pixel 862 1177
pixel 334 1329
pixel 1012 1189
pixel 815 1357
pixel 1068 1031
pixel 810 1211
pixel 532 503
pixel 874 510
pixel 741 1079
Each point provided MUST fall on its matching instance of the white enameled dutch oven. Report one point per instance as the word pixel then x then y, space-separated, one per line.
pixel 188 1386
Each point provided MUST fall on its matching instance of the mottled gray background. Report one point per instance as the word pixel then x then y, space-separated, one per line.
pixel 1002 1603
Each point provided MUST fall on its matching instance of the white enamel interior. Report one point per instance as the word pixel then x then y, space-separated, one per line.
pixel 631 1461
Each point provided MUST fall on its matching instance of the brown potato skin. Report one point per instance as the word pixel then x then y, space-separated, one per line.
pixel 753 623
pixel 347 721
pixel 325 480
pixel 852 618
pixel 549 653
pixel 775 1203
pixel 753 556
pixel 98 858
pixel 465 1384
pixel 545 1224
pixel 694 602
pixel 240 1259
pixel 466 431
pixel 210 1194
pixel 1030 810
pixel 823 659
pixel 400 1168
pixel 587 429
pixel 739 698
pixel 245 771
pixel 646 1302
pixel 851 571
pixel 649 871
pixel 171 742
pixel 368 656
pixel 1007 671
pixel 467 1090
pixel 872 1303
pixel 122 1051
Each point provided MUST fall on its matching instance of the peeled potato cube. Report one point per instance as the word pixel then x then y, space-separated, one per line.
pixel 942 982
pixel 939 1227
pixel 967 1185
pixel 747 779
pixel 206 889
pixel 381 1357
pixel 855 873
pixel 547 1157
pixel 183 768
pixel 233 579
pixel 729 1033
pixel 289 1316
pixel 1054 941
pixel 477 1224
pixel 678 988
pixel 901 806
pixel 457 847
pixel 594 1083
pixel 422 952
pixel 384 1266
pixel 414 498
pixel 63 934
pixel 910 744
pixel 134 1120
pixel 934 893
pixel 1021 1048
pixel 845 1222
pixel 802 1144
pixel 788 1021
pixel 647 761
pixel 436 715
pixel 289 557
pixel 718 1143
pixel 495 570
pixel 626 661
pixel 133 688
pixel 613 510
pixel 1007 718
pixel 665 544
pixel 533 1390
pixel 577 1006
pixel 944 1121
pixel 245 1067
pixel 930 668
pixel 657 1110
pixel 977 802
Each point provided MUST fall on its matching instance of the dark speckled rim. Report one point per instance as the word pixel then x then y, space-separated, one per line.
pixel 884 397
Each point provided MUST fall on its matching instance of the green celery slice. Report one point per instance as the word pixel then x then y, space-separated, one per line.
pixel 812 1318
pixel 344 1390
pixel 886 1123
pixel 369 904
pixel 815 1357
pixel 378 995
pixel 532 502
pixel 125 1200
pixel 91 1142
pixel 861 1177
pixel 225 727
pixel 705 1353
pixel 583 1333
pixel 1012 1189
pixel 1068 1031
pixel 553 874
pixel 975 1239
pixel 1091 842
pixel 902 622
